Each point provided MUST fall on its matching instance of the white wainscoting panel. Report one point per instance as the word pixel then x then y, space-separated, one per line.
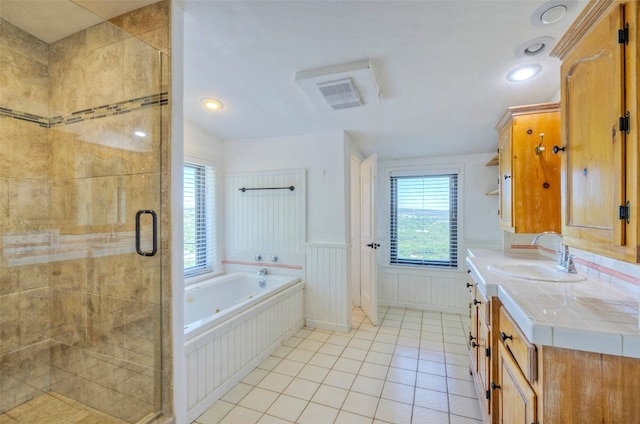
pixel 267 221
pixel 423 291
pixel 327 287
pixel 220 358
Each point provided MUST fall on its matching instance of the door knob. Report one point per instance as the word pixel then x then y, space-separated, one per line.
pixel 373 245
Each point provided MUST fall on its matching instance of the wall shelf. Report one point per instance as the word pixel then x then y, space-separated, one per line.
pixel 492 192
pixel 493 161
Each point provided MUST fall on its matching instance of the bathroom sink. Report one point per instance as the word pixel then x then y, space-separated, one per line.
pixel 535 272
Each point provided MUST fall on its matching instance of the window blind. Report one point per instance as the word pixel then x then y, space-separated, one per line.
pixel 199 219
pixel 424 220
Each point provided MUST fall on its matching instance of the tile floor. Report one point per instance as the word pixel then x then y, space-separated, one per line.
pixel 412 368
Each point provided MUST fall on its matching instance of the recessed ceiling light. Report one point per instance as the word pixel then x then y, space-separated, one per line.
pixel 525 72
pixel 553 14
pixel 212 104
pixel 535 47
pixel 139 133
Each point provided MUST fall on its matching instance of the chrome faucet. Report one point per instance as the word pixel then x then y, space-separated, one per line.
pixel 263 271
pixel 565 259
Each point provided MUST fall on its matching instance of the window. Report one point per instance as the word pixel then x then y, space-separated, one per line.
pixel 199 219
pixel 424 220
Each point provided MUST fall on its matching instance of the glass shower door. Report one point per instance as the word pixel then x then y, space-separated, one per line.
pixel 80 223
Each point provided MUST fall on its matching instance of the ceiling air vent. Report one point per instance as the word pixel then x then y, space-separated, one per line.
pixel 341 86
pixel 340 94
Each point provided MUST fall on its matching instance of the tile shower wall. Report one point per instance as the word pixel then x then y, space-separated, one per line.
pixel 80 310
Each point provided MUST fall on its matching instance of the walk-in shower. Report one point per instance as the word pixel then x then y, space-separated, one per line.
pixel 83 159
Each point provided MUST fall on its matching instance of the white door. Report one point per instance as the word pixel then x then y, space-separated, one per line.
pixel 368 242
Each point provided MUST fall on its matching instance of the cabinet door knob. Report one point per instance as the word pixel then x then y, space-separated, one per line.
pixel 495 386
pixel 469 285
pixel 504 337
pixel 474 344
pixel 476 301
pixel 506 177
pixel 471 338
pixel 556 149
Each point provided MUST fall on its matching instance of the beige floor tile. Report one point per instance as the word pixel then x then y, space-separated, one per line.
pixel 288 367
pixel 300 355
pixel 373 370
pixel 393 412
pixel 275 382
pixel 345 417
pixel 341 379
pixel 431 416
pixel 432 382
pixel 318 414
pixel 293 341
pixel 398 392
pixel 258 399
pixel 464 406
pixel 354 353
pixel 378 358
pixel 360 343
pixel 361 404
pixel 303 389
pixel 268 419
pixel 269 363
pixel 319 335
pixel 431 367
pixel 311 345
pixel 338 339
pixel 331 349
pixel 368 386
pixel 404 362
pixel 461 387
pixel 237 392
pixel 382 347
pixel 287 407
pixel 313 373
pixel 431 399
pixel 255 376
pixel 347 365
pixel 399 375
pixel 323 360
pixel 330 396
pixel 240 415
pixel 214 414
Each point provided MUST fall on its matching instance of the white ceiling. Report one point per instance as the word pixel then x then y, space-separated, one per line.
pixel 440 66
pixel 53 20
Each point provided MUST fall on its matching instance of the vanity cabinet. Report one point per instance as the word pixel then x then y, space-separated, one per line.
pixel 548 385
pixel 529 180
pixel 516 371
pixel 599 96
pixel 481 345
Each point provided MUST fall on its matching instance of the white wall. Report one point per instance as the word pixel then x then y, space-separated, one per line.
pixel 200 143
pixel 440 289
pixel 322 155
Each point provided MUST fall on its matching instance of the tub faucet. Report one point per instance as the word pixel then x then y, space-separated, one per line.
pixel 565 259
pixel 263 271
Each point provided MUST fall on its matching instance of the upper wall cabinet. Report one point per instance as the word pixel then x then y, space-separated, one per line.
pixel 599 96
pixel 529 181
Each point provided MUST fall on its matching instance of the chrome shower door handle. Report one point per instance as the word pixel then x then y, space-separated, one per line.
pixel 154 236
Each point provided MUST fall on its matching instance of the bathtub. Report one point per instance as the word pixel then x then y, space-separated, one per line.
pixel 232 323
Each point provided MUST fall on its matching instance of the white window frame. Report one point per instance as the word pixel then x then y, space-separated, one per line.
pixel 211 266
pixel 424 170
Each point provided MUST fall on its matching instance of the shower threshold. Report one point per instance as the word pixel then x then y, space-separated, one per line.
pixel 52 407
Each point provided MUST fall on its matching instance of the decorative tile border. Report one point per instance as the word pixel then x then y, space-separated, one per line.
pixel 271 265
pixel 98 112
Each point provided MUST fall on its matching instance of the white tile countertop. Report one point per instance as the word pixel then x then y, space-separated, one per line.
pixel 590 315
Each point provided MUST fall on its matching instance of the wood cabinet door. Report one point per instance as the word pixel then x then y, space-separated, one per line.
pixel 517 400
pixel 484 365
pixel 593 177
pixel 535 173
pixel 505 184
